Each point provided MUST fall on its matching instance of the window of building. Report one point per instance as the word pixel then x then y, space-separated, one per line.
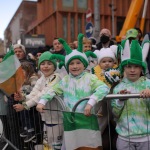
pixel 67 3
pixel 79 24
pixel 82 4
pixel 120 22
pixel 65 26
pixel 72 27
pixel 54 4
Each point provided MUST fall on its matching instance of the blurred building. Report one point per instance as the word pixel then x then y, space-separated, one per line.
pixel 66 18
pixel 1 47
pixel 18 25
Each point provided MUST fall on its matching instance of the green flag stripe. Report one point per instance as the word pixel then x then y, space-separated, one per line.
pixel 73 121
pixel 10 53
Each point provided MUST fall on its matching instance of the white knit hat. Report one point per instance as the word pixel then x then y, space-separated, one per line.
pixel 19 46
pixel 104 52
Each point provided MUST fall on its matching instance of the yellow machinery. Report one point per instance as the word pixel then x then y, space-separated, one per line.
pixel 132 16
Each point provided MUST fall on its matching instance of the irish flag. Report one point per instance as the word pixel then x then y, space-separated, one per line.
pixel 81 132
pixel 11 74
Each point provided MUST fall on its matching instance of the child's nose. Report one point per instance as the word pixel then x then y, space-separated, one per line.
pixel 45 65
pixel 75 65
pixel 132 68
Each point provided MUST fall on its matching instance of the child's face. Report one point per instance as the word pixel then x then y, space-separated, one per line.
pixel 47 68
pixel 133 72
pixel 76 67
pixel 87 47
pixel 106 63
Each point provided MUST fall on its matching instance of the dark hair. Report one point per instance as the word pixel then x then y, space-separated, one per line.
pixel 28 67
pixel 55 38
pixel 139 31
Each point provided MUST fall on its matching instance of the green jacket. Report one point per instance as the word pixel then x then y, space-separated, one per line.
pixel 75 88
pixel 134 113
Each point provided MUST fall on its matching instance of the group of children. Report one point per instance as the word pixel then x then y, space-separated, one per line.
pixel 131 115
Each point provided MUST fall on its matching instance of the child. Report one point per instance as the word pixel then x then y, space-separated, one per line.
pixel 87 44
pixel 106 61
pixel 106 71
pixel 133 114
pixel 78 84
pixel 49 78
pixel 26 116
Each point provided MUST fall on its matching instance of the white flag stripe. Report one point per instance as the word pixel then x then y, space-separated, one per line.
pixel 82 141
pixel 8 68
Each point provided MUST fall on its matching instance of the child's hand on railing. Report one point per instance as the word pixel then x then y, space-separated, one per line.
pixel 40 108
pixel 145 93
pixel 87 110
pixel 125 91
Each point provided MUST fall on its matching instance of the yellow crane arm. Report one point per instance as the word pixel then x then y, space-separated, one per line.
pixel 131 17
pixel 143 16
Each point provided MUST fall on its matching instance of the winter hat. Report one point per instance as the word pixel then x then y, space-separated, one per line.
pixel 46 56
pixel 19 46
pixel 74 54
pixel 131 33
pixel 131 54
pixel 104 52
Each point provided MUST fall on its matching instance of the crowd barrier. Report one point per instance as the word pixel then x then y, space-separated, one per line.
pixel 12 138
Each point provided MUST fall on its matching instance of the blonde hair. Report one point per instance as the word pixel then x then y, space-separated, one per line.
pixel 87 41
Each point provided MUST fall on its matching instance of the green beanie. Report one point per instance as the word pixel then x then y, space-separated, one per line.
pixel 47 56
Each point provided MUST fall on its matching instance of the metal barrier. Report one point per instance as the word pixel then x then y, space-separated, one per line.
pixel 13 139
pixel 109 97
pixel 60 106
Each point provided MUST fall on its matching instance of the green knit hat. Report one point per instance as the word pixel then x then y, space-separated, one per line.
pixel 47 56
pixel 74 54
pixel 131 54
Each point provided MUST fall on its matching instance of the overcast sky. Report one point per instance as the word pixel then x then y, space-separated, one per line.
pixel 7 11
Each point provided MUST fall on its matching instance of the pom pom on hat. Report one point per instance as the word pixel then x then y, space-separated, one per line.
pixel 104 52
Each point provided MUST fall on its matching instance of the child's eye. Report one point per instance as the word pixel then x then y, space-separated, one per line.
pixel 42 63
pixel 49 63
pixel 129 66
pixel 71 64
pixel 136 66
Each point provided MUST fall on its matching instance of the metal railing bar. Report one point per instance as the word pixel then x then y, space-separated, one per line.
pixel 9 143
pixel 109 97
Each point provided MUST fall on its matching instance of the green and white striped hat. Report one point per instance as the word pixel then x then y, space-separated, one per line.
pixel 131 54
pixel 74 54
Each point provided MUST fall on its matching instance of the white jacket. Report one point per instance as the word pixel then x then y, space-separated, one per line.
pixel 42 85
